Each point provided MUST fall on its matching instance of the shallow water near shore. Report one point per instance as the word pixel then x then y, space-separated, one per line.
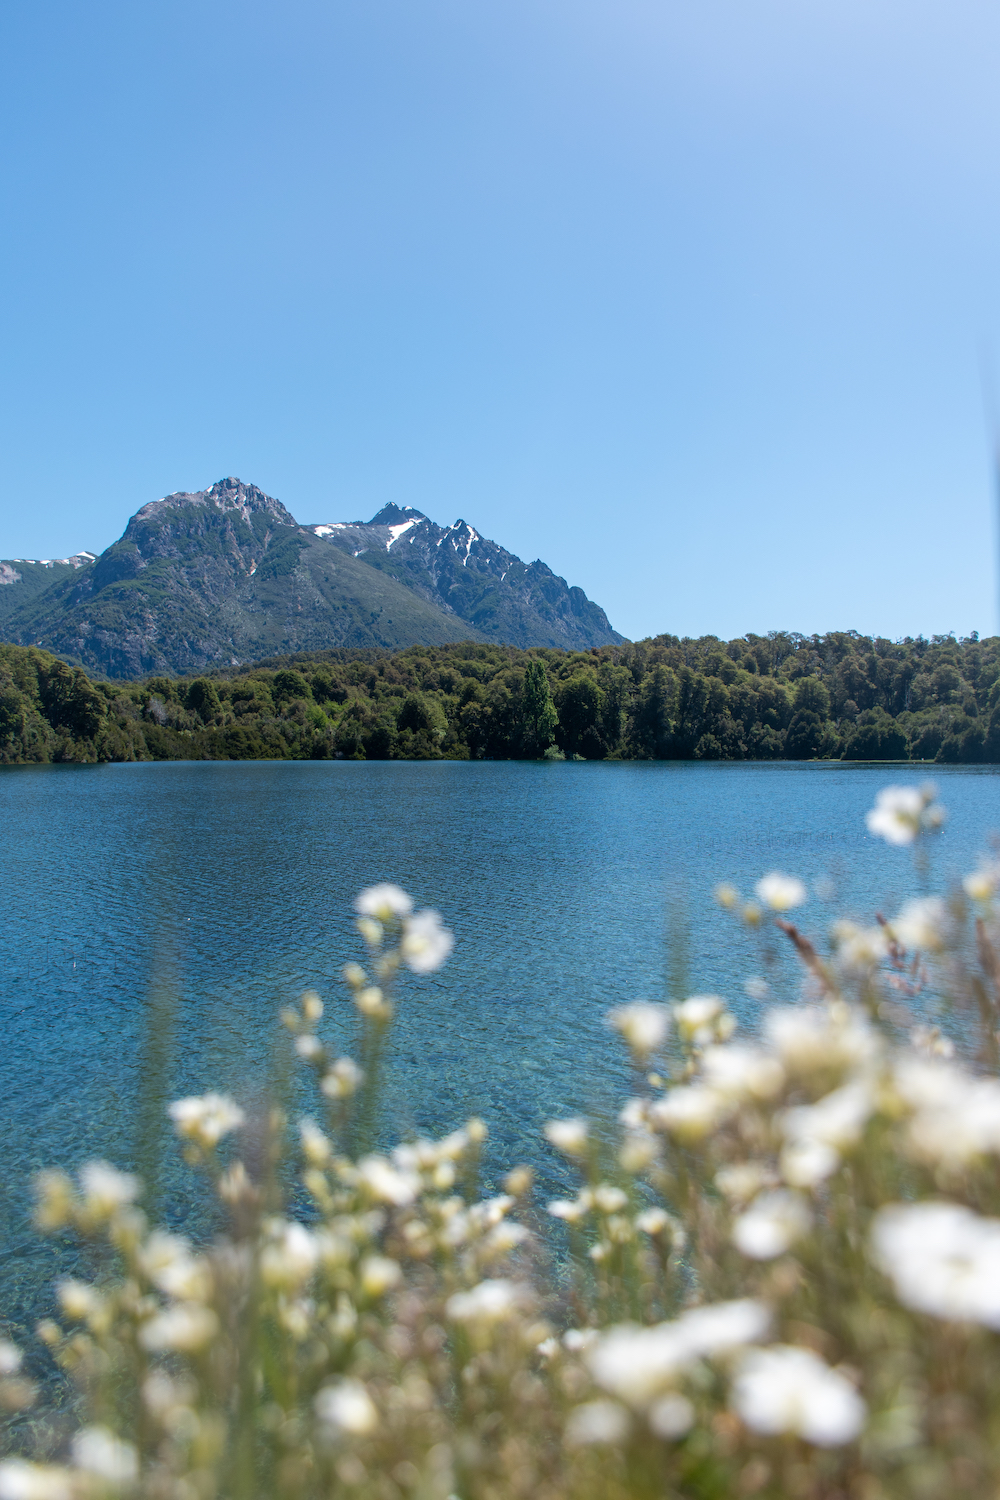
pixel 215 893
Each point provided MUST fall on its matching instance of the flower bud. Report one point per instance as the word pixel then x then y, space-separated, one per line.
pixel 312 1006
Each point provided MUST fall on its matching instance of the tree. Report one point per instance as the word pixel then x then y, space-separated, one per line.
pixel 580 704
pixel 654 715
pixel 202 699
pixel 539 719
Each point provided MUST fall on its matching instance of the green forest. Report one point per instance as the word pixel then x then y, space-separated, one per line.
pixel 780 696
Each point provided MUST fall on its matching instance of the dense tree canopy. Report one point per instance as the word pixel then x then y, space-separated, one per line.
pixel 780 696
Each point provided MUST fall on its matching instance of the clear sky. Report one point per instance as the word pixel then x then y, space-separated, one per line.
pixel 689 300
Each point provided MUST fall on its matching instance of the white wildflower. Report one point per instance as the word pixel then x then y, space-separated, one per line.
pixel 10 1358
pixel 806 1163
pixel 20 1480
pixel 637 1151
pixel 385 1183
pixel 638 1364
pixel 635 1114
pixel 703 1019
pixel 372 1002
pixel 207 1119
pixel 297 1316
pixel 167 1261
pixel 757 988
pixel 569 1136
pixel 942 1259
pixel 503 1239
pixel 902 813
pixel 578 1339
pixel 454 1146
pixel 383 902
pixel 859 949
pixel 426 943
pixel 644 1026
pixel 346 1407
pixel 572 1210
pixel 379 1275
pixel 780 892
pixel 443 1176
pixel 653 1220
pixel 343 1080
pixel 54 1192
pixel 335 1250
pixel 691 1112
pixel 771 1225
pixel 924 1083
pixel 720 1327
pixel 491 1301
pixel 982 885
pixel 819 1038
pixel 168 1399
pixel 312 1006
pixel 609 1199
pixel 308 1047
pixel 923 923
pixel 105 1189
pixel 290 1258
pixel 185 1327
pixel 97 1451
pixel 597 1422
pixel 742 1072
pixel 930 1042
pixel 837 1120
pixel 671 1416
pixel 80 1300
pixel 786 1389
pixel 315 1144
pixel 741 1181
pixel 955 1117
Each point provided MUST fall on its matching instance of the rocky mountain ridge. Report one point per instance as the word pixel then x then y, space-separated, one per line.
pixel 227 575
pixel 23 578
pixel 454 567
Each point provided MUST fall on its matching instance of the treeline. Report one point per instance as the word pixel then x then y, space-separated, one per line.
pixel 780 696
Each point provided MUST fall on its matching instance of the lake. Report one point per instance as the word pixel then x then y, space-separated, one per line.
pixel 221 890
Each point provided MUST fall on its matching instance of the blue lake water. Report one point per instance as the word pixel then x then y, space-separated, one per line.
pixel 227 887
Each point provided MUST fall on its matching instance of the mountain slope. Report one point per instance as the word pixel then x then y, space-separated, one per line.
pixel 453 567
pixel 22 579
pixel 218 577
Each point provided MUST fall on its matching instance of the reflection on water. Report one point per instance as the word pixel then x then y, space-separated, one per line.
pixel 214 892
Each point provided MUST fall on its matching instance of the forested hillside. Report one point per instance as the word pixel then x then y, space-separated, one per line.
pixel 771 697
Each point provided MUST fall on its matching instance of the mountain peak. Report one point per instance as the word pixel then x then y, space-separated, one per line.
pixel 394 515
pixel 226 494
pixel 460 570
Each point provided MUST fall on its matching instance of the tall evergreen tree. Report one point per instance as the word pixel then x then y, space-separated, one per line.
pixel 538 713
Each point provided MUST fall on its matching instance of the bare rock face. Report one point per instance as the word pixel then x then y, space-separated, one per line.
pixel 519 604
pixel 226 575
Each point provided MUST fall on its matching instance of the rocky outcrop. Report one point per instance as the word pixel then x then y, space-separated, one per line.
pixel 464 573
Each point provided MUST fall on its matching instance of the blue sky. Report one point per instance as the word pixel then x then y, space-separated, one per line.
pixel 689 301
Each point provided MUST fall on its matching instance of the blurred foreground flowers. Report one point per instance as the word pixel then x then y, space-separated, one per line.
pixel 782 1276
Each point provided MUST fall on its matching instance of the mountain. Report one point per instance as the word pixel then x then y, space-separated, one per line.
pixel 24 578
pixel 215 578
pixel 224 576
pixel 453 567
